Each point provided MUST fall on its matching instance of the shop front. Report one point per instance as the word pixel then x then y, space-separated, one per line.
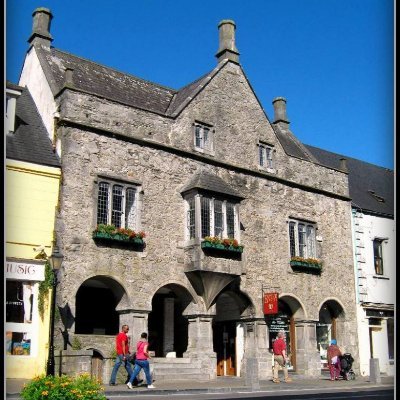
pixel 23 323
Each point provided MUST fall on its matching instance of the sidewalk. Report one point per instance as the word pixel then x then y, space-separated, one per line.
pixel 228 384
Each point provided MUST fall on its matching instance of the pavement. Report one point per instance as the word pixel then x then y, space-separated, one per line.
pixel 230 384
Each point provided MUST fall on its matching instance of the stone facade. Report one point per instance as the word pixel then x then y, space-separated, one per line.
pixel 100 138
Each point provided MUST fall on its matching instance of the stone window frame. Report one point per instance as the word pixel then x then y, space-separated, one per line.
pixel 113 180
pixel 307 249
pixel 262 148
pixel 201 128
pixel 191 234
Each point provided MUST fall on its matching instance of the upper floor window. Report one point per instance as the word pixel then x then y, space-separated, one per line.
pixel 203 137
pixel 117 204
pixel 265 155
pixel 378 261
pixel 210 216
pixel 302 239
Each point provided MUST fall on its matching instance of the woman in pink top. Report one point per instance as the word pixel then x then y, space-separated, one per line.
pixel 141 361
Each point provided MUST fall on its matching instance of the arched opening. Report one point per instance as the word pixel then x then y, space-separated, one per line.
pixel 327 328
pixel 96 302
pixel 97 365
pixel 228 331
pixel 288 309
pixel 168 328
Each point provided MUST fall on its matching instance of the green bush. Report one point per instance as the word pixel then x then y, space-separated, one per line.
pixel 63 387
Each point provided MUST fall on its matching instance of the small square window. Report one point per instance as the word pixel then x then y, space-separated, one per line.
pixel 265 156
pixel 203 137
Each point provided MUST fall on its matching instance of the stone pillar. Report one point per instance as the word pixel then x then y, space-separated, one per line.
pixel 263 352
pixel 137 321
pixel 250 359
pixel 308 360
pixel 374 371
pixel 168 337
pixel 200 344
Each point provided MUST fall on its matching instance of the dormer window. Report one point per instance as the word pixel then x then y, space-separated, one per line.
pixel 203 137
pixel 265 156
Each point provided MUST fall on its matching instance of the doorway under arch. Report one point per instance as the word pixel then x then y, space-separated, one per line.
pixel 289 308
pixel 228 333
pixel 327 327
pixel 95 307
pixel 168 328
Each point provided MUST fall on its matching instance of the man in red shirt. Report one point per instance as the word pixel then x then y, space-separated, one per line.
pixel 122 347
pixel 280 357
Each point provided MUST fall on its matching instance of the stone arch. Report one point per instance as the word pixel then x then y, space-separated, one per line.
pixel 168 328
pixel 331 316
pixel 97 301
pixel 295 304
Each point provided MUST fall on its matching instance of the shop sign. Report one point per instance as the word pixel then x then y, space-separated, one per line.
pixel 270 303
pixel 24 271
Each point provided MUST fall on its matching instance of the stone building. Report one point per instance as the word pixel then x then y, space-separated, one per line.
pixel 182 166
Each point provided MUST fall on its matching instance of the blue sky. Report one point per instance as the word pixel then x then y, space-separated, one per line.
pixel 333 60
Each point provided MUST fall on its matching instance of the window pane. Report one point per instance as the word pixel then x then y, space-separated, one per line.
pixel 15 311
pixel 311 242
pixel 18 343
pixel 261 155
pixel 102 203
pixel 218 224
pixel 302 240
pixel 292 240
pixel 116 206
pixel 230 220
pixel 268 152
pixel 130 209
pixel 198 137
pixel 378 257
pixel 205 217
pixel 191 218
pixel 206 141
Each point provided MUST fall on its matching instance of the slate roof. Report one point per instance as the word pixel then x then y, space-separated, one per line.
pixel 30 141
pixel 291 144
pixel 210 183
pixel 111 84
pixel 369 184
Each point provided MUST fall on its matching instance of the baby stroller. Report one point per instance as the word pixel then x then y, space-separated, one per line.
pixel 346 362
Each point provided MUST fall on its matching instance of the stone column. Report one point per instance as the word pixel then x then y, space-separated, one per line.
pixel 137 320
pixel 200 344
pixel 168 337
pixel 308 360
pixel 250 358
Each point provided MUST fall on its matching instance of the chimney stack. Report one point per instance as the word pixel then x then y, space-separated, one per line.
pixel 41 27
pixel 280 110
pixel 343 164
pixel 227 48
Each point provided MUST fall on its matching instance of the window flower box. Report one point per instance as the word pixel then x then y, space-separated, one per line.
pixel 309 265
pixel 109 234
pixel 225 245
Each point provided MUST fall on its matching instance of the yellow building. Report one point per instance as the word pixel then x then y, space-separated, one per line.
pixel 32 182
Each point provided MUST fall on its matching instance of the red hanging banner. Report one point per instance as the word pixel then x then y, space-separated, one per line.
pixel 270 303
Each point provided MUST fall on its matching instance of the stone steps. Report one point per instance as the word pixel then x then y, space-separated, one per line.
pixel 167 369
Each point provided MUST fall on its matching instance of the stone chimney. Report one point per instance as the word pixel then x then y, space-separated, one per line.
pixel 41 27
pixel 280 110
pixel 343 165
pixel 227 48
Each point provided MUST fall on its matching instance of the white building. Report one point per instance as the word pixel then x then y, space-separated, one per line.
pixel 372 192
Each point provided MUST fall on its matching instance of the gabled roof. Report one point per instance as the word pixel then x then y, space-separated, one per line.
pixel 210 183
pixel 371 187
pixel 29 142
